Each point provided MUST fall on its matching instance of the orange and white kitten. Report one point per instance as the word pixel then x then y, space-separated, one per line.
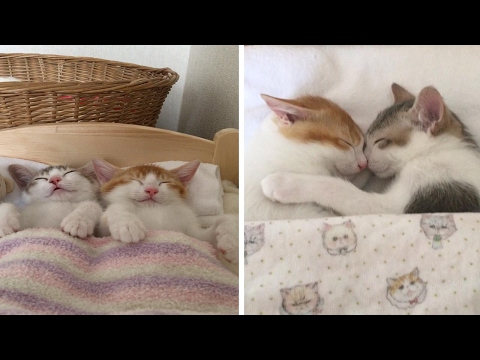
pixel 148 197
pixel 308 135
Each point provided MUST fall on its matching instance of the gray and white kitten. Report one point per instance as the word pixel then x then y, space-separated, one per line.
pixel 55 197
pixel 422 146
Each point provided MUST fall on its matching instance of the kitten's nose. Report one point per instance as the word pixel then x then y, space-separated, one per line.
pixel 55 180
pixel 362 165
pixel 151 191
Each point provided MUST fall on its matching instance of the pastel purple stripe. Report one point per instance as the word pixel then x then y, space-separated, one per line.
pixel 123 250
pixel 113 286
pixel 37 304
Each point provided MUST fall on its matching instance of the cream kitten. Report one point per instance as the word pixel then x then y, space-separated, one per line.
pixel 149 197
pixel 55 197
pixel 307 135
pixel 418 143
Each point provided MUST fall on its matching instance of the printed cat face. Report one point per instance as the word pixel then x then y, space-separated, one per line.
pixel 302 300
pixel 339 239
pixel 254 238
pixel 55 183
pixel 438 227
pixel 319 123
pixel 407 290
pixel 409 128
pixel 143 185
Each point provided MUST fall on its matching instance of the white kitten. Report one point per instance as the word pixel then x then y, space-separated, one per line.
pixel 307 135
pixel 55 197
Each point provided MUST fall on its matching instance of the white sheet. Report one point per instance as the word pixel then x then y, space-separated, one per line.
pixel 356 282
pixel 358 77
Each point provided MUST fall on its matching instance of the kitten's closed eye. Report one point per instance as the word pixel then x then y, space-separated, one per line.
pixel 141 183
pixel 346 142
pixel 383 143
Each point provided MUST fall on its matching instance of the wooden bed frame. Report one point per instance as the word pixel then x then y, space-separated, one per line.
pixel 75 144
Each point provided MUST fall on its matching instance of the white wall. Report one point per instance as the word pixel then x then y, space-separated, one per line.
pixel 177 57
pixel 210 100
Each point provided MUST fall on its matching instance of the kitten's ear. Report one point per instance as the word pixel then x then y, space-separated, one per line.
pixel 326 227
pixel 103 170
pixel 88 170
pixel 21 175
pixel 429 109
pixel 400 94
pixel 186 171
pixel 285 110
pixel 261 227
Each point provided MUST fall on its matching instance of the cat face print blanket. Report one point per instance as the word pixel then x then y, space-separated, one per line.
pixel 420 264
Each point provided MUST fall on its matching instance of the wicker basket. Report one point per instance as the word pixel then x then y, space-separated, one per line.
pixel 57 88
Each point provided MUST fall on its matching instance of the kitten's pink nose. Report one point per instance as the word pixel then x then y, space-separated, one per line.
pixel 151 191
pixel 55 180
pixel 362 165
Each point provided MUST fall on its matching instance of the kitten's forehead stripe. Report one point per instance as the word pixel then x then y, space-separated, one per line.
pixel 326 124
pixel 140 173
pixel 388 116
pixel 54 167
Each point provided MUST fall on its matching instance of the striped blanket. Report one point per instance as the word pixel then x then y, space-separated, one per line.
pixel 46 272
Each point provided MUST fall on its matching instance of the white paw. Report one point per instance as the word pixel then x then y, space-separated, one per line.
pixel 226 234
pixel 127 229
pixel 10 223
pixel 281 187
pixel 78 225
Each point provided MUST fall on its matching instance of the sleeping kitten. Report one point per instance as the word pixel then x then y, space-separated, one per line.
pixel 149 197
pixel 309 135
pixel 422 146
pixel 55 197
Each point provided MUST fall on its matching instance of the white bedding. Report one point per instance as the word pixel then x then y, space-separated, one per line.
pixel 387 247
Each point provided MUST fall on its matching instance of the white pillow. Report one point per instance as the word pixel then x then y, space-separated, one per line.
pixel 205 190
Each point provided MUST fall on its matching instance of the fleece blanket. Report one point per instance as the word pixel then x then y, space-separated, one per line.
pixel 46 272
pixel 419 264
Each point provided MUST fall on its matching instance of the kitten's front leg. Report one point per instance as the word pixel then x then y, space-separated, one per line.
pixel 287 188
pixel 226 233
pixel 123 225
pixel 81 222
pixel 334 193
pixel 9 219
